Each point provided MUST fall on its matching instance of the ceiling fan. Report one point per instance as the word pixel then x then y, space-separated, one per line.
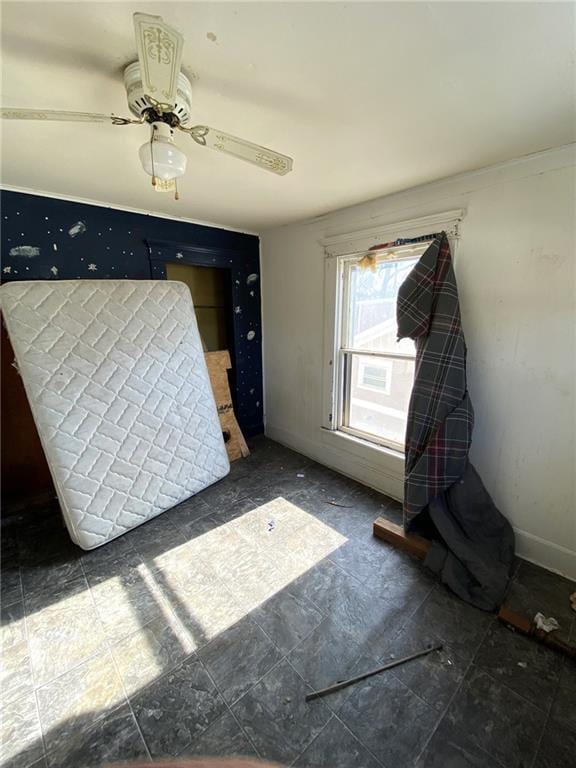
pixel 160 95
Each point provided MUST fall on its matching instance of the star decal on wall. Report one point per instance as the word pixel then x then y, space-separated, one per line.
pixel 121 255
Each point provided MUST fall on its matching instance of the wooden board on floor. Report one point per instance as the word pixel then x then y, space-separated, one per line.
pixel 526 626
pixel 218 364
pixel 395 535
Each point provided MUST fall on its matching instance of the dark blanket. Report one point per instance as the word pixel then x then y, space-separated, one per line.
pixel 444 497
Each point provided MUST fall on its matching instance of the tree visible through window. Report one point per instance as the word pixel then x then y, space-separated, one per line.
pixel 376 371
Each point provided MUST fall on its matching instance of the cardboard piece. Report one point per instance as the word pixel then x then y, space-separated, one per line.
pixel 218 364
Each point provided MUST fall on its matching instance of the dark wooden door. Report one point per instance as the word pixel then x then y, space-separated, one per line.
pixel 24 471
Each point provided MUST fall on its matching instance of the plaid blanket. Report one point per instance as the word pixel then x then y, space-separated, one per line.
pixel 444 498
pixel 440 416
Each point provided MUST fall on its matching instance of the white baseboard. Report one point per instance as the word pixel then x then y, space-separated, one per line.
pixel 369 470
pixel 546 553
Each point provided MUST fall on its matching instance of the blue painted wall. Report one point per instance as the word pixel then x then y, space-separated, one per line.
pixel 47 239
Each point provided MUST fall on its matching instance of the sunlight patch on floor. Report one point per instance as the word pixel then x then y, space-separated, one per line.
pixel 158 610
pixel 213 581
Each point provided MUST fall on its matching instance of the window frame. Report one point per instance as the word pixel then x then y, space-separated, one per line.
pixel 346 353
pixel 338 248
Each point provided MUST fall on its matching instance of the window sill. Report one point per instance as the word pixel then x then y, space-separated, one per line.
pixel 365 441
pixel 363 448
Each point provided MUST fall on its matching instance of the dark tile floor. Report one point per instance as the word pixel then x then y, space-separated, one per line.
pixel 201 632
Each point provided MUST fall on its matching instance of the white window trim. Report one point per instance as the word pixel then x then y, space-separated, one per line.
pixel 343 243
pixel 337 247
pixel 342 424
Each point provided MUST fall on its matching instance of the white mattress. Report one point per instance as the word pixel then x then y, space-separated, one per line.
pixel 117 382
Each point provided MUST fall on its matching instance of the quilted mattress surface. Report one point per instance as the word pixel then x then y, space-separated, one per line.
pixel 116 378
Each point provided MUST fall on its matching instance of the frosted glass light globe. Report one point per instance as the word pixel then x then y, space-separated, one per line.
pixel 160 157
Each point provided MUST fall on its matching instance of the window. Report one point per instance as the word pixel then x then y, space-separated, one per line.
pixel 375 372
pixel 367 376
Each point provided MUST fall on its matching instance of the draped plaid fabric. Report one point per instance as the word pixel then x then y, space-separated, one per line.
pixel 472 546
pixel 440 417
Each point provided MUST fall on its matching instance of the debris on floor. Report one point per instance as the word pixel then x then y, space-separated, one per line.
pixel 358 678
pixel 336 504
pixel 445 659
pixel 521 623
pixel 546 624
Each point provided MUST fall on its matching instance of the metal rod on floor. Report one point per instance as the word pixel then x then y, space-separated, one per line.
pixel 352 680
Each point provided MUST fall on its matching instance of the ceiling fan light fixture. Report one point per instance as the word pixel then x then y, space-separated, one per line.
pixel 160 157
pixel 160 95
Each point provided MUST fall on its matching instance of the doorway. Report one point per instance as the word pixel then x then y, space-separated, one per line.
pixel 210 291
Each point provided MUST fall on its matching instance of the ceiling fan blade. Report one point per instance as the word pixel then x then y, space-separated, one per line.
pixel 11 113
pixel 160 55
pixel 263 157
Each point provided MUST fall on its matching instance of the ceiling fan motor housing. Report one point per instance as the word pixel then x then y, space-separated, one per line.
pixel 142 106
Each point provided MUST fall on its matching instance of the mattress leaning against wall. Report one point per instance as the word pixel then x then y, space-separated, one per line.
pixel 117 383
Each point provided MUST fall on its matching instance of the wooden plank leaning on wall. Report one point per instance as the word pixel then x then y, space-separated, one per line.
pixel 219 364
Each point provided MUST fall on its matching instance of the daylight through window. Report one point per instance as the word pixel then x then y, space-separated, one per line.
pixel 376 371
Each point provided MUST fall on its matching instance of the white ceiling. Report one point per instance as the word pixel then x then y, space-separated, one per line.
pixel 368 98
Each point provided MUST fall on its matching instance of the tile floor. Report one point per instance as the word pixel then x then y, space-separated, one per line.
pixel 202 631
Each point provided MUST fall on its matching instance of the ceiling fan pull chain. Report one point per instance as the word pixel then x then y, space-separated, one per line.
pixel 152 155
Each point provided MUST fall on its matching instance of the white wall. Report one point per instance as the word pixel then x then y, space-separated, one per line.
pixel 515 268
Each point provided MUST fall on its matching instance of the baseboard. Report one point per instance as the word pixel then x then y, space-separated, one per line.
pixel 536 550
pixel 551 556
